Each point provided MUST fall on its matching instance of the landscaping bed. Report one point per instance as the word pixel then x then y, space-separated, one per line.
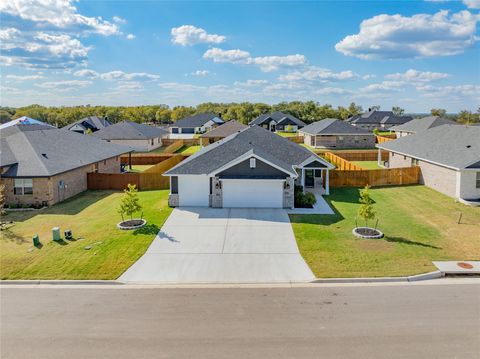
pixel 419 224
pixel 92 216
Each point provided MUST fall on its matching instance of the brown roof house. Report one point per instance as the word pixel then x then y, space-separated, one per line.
pixel 220 132
pixel 42 165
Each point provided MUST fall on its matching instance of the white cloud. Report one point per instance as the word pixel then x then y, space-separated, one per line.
pixel 86 73
pixel 384 86
pixel 19 78
pixel 175 86
pixel 124 76
pixel 318 74
pixel 251 83
pixel 188 35
pixel 130 37
pixel 266 63
pixel 369 76
pixel 129 86
pixel 41 49
pixel 119 20
pixel 421 35
pixel 414 76
pixel 466 90
pixel 200 73
pixel 472 4
pixel 67 85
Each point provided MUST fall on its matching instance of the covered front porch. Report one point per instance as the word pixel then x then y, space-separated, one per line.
pixel 313 176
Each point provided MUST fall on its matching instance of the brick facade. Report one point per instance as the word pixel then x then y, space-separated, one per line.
pixel 48 190
pixel 340 141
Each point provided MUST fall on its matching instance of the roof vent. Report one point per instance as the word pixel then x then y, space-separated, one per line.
pixel 45 155
pixel 468 146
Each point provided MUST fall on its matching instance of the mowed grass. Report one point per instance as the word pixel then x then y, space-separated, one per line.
pixel 92 216
pixel 420 226
pixel 287 134
pixel 139 168
pixel 188 150
pixel 368 165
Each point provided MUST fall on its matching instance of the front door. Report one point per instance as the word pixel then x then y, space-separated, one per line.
pixel 309 178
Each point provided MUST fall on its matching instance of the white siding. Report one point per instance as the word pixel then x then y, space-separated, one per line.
pixel 194 190
pixel 467 185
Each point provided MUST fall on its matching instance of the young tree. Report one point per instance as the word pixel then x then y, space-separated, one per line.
pixel 366 210
pixel 398 110
pixel 130 202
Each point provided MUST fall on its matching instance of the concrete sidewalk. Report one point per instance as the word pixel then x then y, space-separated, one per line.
pixel 209 245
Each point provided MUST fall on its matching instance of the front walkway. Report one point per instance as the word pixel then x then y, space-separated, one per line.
pixel 209 245
pixel 321 207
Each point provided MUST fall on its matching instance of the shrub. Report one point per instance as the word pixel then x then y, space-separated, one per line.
pixel 303 200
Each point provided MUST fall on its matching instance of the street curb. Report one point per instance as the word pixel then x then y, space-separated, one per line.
pixel 413 278
pixel 59 282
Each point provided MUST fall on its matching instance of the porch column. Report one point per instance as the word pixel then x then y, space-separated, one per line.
pixel 379 157
pixel 303 178
pixel 130 160
pixel 327 185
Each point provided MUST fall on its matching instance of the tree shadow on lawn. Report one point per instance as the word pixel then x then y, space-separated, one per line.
pixel 152 229
pixel 402 240
pixel 323 219
pixel 10 236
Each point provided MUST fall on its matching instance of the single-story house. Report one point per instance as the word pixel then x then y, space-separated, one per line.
pixel 420 124
pixel 220 132
pixel 334 133
pixel 24 120
pixel 251 168
pixel 88 125
pixel 196 124
pixel 380 120
pixel 278 121
pixel 140 137
pixel 43 165
pixel 448 155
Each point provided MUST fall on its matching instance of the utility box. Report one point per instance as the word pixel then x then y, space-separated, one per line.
pixel 56 234
pixel 36 240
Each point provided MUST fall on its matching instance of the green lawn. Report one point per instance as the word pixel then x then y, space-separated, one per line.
pixel 368 165
pixel 420 225
pixel 139 168
pixel 188 150
pixel 92 216
pixel 287 134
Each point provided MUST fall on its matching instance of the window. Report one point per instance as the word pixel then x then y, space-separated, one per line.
pixel 23 186
pixel 252 163
pixel 151 142
pixel 414 162
pixel 318 173
pixel 340 138
pixel 478 180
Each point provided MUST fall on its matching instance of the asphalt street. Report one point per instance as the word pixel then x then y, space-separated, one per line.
pixel 361 321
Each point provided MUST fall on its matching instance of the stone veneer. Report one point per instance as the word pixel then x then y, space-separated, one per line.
pixel 173 200
pixel 216 198
pixel 288 193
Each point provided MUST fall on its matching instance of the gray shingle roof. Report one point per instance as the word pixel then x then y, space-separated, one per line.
pixel 228 128
pixel 454 146
pixel 127 130
pixel 92 122
pixel 44 151
pixel 422 124
pixel 333 126
pixel 253 140
pixel 279 117
pixel 379 117
pixel 197 120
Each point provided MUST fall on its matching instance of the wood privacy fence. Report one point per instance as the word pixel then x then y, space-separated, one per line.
pixel 147 158
pixel 151 179
pixel 382 139
pixel 358 155
pixel 374 178
pixel 296 139
pixel 341 163
pixel 174 147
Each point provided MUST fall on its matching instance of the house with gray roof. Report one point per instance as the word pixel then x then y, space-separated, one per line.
pixel 448 155
pixel 250 168
pixel 380 120
pixel 420 124
pixel 335 133
pixel 88 125
pixel 140 137
pixel 220 132
pixel 278 121
pixel 199 123
pixel 43 165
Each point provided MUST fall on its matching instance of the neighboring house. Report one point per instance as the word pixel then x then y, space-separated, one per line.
pixel 448 155
pixel 220 132
pixel 43 165
pixel 24 120
pixel 278 121
pixel 196 124
pixel 88 125
pixel 334 133
pixel 420 124
pixel 140 137
pixel 380 120
pixel 251 168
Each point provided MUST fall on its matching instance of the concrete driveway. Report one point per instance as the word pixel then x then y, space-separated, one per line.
pixel 209 245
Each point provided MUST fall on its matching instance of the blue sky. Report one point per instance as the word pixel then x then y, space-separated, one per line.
pixel 413 54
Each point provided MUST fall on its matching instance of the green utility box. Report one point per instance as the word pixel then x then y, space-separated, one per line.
pixel 36 240
pixel 56 234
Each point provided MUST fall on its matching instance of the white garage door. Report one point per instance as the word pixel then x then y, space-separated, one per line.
pixel 252 193
pixel 193 190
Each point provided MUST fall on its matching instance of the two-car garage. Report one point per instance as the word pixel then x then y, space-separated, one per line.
pixel 254 193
